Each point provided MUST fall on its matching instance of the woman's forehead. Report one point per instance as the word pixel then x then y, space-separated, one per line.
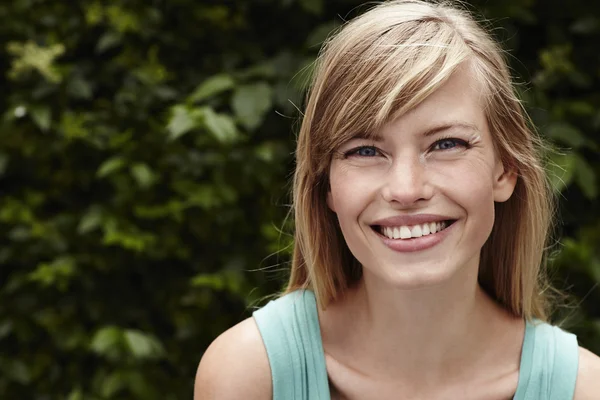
pixel 457 105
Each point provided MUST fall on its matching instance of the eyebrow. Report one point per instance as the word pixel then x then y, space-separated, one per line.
pixel 429 132
pixel 448 126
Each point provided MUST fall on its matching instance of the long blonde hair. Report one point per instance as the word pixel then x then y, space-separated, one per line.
pixel 376 68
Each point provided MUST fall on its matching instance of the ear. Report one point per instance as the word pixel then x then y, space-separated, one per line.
pixel 505 181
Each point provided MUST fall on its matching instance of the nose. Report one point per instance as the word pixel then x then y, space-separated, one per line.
pixel 407 182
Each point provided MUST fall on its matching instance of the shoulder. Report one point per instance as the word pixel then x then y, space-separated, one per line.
pixel 235 366
pixel 588 376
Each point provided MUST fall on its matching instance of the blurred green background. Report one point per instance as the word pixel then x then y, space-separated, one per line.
pixel 145 158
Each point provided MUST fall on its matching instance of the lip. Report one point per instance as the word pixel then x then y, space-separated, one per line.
pixel 409 220
pixel 416 244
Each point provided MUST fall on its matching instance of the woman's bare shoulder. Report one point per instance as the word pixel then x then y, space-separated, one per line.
pixel 235 366
pixel 588 377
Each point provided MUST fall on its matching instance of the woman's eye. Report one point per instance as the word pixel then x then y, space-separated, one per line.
pixel 448 144
pixel 363 151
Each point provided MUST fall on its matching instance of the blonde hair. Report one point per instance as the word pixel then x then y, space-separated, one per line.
pixel 378 67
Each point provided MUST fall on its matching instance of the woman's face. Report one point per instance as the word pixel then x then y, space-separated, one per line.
pixel 416 204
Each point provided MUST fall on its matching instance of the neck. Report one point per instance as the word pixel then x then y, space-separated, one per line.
pixel 420 334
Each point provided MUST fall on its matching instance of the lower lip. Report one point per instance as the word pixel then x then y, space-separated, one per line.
pixel 416 244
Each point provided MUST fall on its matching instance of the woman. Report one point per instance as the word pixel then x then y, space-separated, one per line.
pixel 422 212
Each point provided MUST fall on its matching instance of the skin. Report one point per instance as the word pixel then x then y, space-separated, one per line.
pixel 417 323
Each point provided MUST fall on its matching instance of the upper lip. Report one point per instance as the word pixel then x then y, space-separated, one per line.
pixel 408 220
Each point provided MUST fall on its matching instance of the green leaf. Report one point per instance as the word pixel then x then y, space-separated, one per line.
pixel 230 279
pixel 312 6
pixel 17 371
pixel 586 178
pixel 29 56
pixel 586 25
pixel 94 13
pixel 202 195
pixel 126 236
pixel 143 175
pixel 142 345
pixel 73 125
pixel 561 168
pixel 91 220
pixel 107 41
pixel 6 327
pixel 76 394
pixel 110 166
pixel 251 102
pixel 265 151
pixel 41 117
pixel 566 134
pixel 122 19
pixel 221 126
pixel 211 87
pixel 212 281
pixel 79 88
pixel 57 273
pixel 113 383
pixel 181 122
pixel 106 340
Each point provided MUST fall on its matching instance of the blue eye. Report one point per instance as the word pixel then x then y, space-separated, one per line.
pixel 449 143
pixel 367 151
pixel 363 151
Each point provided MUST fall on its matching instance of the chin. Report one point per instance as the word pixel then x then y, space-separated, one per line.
pixel 414 276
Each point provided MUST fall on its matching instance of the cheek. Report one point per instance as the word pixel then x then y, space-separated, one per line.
pixel 349 196
pixel 472 176
pixel 470 184
pixel 350 191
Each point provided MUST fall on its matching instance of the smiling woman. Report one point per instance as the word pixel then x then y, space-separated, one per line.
pixel 422 211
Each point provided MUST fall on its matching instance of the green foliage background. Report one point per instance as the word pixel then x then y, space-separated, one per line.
pixel 145 156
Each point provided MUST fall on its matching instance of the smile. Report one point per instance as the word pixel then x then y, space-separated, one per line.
pixel 404 232
pixel 415 237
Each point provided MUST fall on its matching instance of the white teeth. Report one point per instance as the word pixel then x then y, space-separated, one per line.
pixel 415 231
pixel 405 232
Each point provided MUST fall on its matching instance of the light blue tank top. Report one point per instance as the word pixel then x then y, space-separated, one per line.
pixel 289 327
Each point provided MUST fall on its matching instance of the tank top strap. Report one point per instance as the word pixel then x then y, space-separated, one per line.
pixel 290 331
pixel 549 363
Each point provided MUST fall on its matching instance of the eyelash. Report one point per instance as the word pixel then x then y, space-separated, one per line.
pixel 458 142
